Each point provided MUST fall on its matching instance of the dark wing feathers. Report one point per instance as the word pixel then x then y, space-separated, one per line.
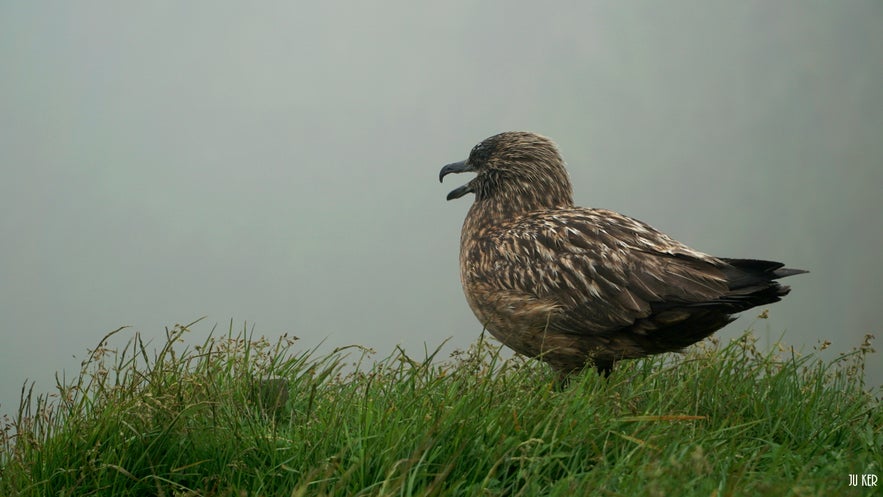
pixel 603 270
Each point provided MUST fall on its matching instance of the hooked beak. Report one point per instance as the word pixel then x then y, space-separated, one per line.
pixel 457 167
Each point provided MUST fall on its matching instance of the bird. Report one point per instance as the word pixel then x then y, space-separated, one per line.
pixel 584 287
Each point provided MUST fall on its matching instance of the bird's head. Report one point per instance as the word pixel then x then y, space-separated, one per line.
pixel 517 171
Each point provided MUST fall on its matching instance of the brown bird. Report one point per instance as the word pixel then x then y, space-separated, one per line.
pixel 574 286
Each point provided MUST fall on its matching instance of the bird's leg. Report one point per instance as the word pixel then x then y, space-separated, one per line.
pixel 604 368
pixel 565 376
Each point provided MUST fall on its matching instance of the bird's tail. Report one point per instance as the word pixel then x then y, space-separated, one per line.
pixel 752 282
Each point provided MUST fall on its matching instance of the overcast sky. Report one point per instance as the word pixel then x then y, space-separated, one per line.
pixel 277 163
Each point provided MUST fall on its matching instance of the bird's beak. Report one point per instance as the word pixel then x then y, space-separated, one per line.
pixel 457 167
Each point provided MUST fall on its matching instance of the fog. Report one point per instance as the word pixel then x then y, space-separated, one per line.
pixel 276 163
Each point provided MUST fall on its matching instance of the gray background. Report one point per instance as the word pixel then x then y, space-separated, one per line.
pixel 277 162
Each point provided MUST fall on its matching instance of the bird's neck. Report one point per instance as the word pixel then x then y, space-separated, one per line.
pixel 492 211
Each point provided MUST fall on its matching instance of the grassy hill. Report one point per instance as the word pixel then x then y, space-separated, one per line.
pixel 212 420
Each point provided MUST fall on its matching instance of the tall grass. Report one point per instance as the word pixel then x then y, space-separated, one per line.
pixel 187 420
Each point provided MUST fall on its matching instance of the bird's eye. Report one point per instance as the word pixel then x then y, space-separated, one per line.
pixel 479 152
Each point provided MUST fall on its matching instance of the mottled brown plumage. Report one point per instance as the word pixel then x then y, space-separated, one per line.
pixel 575 286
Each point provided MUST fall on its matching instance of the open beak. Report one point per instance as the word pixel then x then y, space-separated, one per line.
pixel 457 167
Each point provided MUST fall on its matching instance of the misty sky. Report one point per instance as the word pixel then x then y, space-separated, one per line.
pixel 277 163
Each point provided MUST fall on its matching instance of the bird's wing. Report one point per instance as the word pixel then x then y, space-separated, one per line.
pixel 600 269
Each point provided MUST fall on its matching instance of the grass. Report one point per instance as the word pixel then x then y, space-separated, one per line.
pixel 197 421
